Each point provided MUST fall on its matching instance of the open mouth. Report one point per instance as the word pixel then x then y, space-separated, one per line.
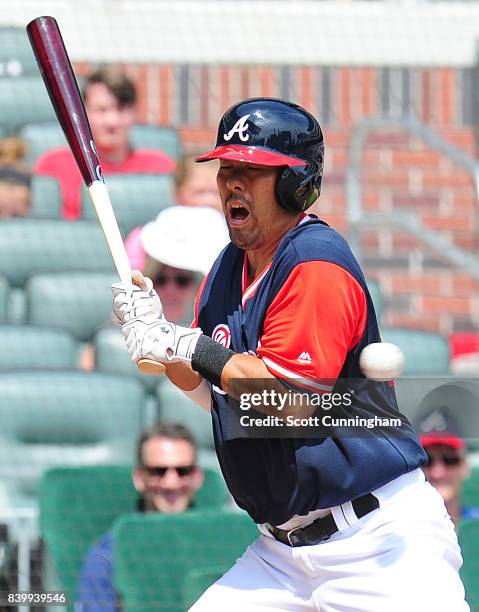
pixel 238 213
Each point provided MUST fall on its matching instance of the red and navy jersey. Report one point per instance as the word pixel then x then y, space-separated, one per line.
pixel 308 315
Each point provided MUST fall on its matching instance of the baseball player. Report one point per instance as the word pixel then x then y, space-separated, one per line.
pixel 347 521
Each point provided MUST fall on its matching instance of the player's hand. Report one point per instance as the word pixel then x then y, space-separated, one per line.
pixel 160 340
pixel 136 299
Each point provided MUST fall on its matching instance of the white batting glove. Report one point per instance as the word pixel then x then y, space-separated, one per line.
pixel 131 301
pixel 160 340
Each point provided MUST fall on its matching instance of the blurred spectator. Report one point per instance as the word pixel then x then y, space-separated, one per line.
pixel 12 153
pixel 14 193
pixel 166 477
pixel 14 179
pixel 195 186
pixel 448 465
pixel 179 247
pixel 196 183
pixel 110 99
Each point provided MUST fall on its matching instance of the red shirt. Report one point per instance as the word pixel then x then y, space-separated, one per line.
pixel 318 315
pixel 61 164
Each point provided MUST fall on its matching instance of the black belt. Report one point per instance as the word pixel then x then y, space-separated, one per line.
pixel 322 528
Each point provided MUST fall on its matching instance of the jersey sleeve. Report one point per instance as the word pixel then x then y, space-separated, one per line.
pixel 315 319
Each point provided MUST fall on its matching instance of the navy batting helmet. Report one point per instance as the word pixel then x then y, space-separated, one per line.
pixel 273 132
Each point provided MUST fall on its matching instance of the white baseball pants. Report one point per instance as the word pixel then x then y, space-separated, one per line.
pixel 403 556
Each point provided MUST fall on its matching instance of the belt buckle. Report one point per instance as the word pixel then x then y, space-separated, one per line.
pixel 290 532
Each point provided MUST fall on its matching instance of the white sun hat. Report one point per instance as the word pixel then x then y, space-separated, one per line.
pixel 186 237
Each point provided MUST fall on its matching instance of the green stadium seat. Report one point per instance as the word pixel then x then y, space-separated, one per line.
pixel 4 295
pixel 149 577
pixel 425 353
pixel 46 200
pixel 79 302
pixel 79 504
pixel 51 418
pixel 198 580
pixel 164 139
pixel 42 137
pixel 469 542
pixel 17 306
pixel 111 355
pixel 12 303
pixel 24 99
pixel 470 491
pixel 136 198
pixel 174 407
pixel 28 346
pixel 34 246
pixel 376 296
pixel 16 55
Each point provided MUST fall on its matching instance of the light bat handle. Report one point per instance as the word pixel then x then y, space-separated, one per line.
pixel 101 201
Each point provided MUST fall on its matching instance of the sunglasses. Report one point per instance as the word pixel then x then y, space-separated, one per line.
pixel 181 280
pixel 448 460
pixel 160 471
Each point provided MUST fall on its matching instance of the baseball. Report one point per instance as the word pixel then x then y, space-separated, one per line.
pixel 381 361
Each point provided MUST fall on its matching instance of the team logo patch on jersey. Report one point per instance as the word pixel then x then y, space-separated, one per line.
pixel 239 127
pixel 222 335
pixel 305 357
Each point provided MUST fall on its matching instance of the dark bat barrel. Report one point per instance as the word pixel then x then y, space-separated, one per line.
pixel 62 87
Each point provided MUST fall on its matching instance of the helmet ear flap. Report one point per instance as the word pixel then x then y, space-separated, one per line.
pixel 298 188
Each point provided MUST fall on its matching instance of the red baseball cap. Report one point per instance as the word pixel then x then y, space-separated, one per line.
pixel 446 440
pixel 253 155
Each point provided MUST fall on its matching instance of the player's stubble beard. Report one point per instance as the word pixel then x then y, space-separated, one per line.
pixel 247 238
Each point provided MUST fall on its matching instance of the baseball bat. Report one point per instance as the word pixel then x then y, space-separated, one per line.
pixel 60 82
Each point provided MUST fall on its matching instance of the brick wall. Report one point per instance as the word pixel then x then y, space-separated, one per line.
pixel 421 288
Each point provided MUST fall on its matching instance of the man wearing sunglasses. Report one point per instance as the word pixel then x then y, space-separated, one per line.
pixel 177 256
pixel 447 466
pixel 166 477
pixel 177 288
